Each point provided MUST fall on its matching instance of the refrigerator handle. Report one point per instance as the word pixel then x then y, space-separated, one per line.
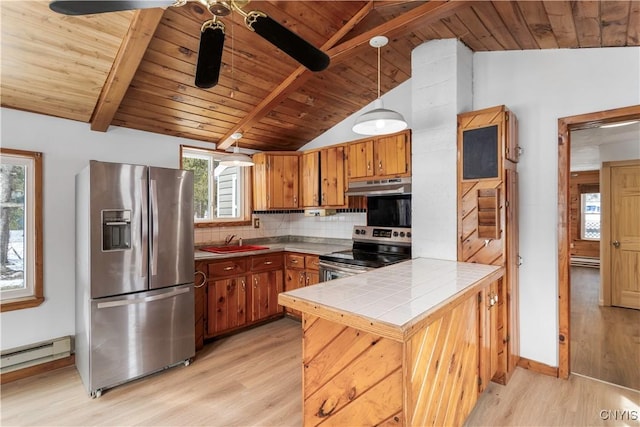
pixel 153 204
pixel 144 228
pixel 130 301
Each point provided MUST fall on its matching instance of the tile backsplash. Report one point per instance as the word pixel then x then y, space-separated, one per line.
pixel 337 226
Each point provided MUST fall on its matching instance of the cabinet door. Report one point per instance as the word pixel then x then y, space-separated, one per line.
pixel 260 182
pixel 360 159
pixel 283 181
pixel 391 155
pixel 310 179
pixel 227 305
pixel 490 330
pixel 332 176
pixel 264 296
pixel 294 278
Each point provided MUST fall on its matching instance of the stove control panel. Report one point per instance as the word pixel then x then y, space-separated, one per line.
pixel 382 234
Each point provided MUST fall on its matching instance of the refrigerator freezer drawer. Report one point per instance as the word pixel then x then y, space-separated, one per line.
pixel 138 334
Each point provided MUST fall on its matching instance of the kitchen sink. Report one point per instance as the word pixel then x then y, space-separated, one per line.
pixel 232 249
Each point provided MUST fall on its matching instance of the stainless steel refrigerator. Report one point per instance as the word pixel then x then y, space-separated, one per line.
pixel 134 272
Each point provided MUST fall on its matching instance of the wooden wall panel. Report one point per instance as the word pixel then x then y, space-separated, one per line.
pixel 442 366
pixel 579 247
pixel 356 378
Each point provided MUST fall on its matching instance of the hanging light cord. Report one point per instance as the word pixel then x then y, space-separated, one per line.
pixel 378 71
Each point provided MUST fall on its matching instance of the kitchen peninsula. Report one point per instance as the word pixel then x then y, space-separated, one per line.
pixel 407 344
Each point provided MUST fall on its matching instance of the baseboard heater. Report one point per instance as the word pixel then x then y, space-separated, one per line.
pixel 35 354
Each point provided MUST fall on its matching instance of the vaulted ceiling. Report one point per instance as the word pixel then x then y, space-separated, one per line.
pixel 136 69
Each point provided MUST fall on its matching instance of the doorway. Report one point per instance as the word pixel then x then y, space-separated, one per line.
pixel 565 126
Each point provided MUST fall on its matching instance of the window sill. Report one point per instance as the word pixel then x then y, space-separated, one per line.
pixel 221 224
pixel 20 303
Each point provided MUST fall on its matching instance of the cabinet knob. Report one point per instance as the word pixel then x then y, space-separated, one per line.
pixel 616 244
pixel 244 285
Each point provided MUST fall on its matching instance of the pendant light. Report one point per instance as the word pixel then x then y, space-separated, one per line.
pixel 237 158
pixel 379 121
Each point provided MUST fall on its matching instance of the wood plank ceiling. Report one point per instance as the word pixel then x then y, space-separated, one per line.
pixel 136 69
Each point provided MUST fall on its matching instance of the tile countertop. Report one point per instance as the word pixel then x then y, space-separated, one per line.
pixel 304 247
pixel 393 301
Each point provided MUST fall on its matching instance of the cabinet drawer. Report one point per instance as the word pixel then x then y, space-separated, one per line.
pixel 311 262
pixel 231 267
pixel 266 262
pixel 294 260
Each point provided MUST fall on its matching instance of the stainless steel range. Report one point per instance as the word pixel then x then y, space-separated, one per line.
pixel 373 247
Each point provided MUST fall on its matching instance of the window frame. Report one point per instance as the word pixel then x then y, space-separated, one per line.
pixel 34 253
pixel 246 190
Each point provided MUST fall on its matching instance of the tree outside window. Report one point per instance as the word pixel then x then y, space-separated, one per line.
pixel 20 229
pixel 221 193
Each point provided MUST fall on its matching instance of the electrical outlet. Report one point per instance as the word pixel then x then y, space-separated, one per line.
pixel 256 222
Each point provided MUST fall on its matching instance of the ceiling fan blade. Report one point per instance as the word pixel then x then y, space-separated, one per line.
pixel 89 7
pixel 210 56
pixel 287 41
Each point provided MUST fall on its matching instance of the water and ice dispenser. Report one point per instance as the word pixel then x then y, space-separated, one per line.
pixel 116 229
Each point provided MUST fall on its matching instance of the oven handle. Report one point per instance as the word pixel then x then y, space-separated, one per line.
pixel 342 268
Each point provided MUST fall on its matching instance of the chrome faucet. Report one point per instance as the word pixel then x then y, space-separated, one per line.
pixel 229 238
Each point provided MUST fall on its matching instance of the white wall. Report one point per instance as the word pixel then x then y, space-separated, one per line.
pixel 68 146
pixel 540 87
pixel 627 150
pixel 398 99
pixel 441 88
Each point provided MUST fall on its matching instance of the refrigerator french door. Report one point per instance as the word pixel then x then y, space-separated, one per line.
pixel 134 272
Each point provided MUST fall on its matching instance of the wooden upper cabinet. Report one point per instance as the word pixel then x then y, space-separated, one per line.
pixel 360 159
pixel 379 157
pixel 391 155
pixel 332 178
pixel 275 180
pixel 310 178
pixel 487 143
pixel 322 175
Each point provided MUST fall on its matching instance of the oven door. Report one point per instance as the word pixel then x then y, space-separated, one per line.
pixel 336 270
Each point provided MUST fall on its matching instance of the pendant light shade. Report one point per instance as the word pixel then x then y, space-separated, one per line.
pixel 379 121
pixel 237 158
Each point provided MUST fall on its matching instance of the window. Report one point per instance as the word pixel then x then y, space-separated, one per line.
pixel 220 193
pixel 590 216
pixel 20 229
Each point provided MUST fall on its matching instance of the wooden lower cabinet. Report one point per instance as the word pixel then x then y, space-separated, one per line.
pixel 264 295
pixel 300 270
pixel 227 302
pixel 238 292
pixel 490 309
pixel 430 377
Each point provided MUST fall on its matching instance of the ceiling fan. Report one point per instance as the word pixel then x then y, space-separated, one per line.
pixel 212 31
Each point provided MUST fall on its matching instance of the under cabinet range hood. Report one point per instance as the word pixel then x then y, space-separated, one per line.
pixel 379 187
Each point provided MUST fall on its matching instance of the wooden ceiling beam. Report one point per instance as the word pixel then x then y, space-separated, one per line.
pixel 290 84
pixel 134 45
pixel 426 14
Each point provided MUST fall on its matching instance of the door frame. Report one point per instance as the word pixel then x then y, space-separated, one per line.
pixel 565 126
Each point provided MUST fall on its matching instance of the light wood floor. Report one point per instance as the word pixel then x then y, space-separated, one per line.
pixel 254 379
pixel 605 341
